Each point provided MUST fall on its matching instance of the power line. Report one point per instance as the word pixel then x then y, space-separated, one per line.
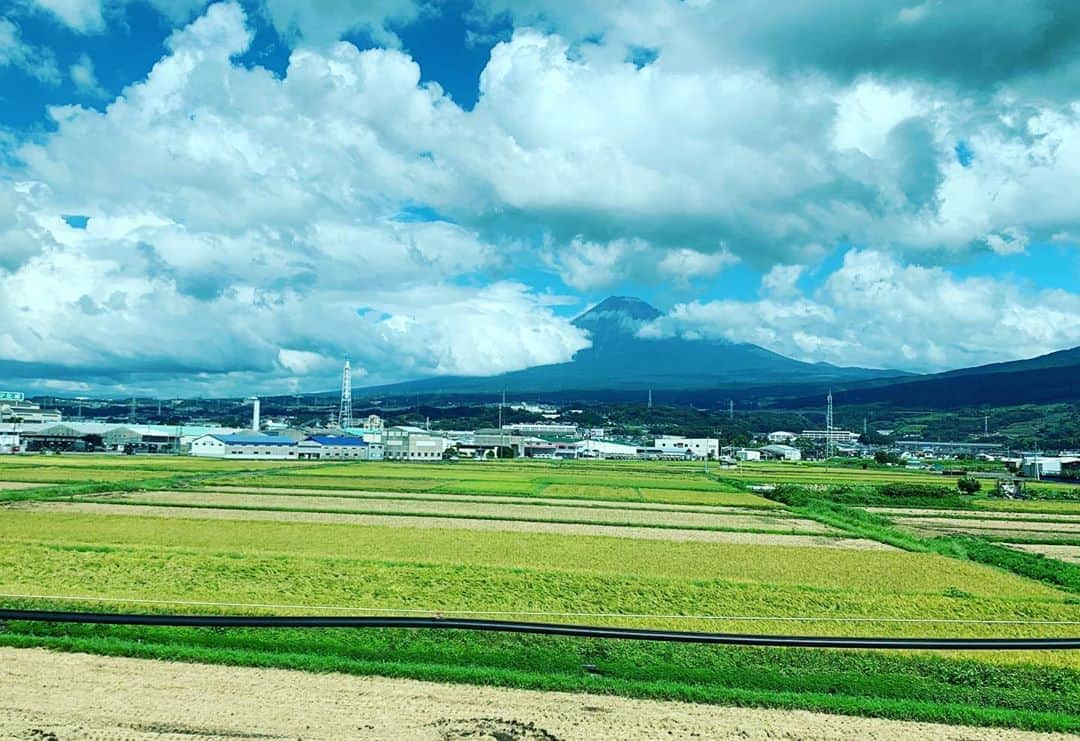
pixel 542 613
pixel 549 629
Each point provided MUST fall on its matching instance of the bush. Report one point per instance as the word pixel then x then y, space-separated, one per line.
pixel 922 491
pixel 968 485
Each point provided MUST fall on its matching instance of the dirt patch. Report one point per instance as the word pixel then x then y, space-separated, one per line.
pixel 445 523
pixel 66 696
pixel 503 509
pixel 16 485
pixel 1070 553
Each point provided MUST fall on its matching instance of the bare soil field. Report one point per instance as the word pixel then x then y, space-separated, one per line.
pixel 14 485
pixel 474 509
pixel 66 696
pixel 445 523
pixel 1070 553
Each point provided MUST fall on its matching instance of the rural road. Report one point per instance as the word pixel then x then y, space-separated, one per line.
pixel 56 697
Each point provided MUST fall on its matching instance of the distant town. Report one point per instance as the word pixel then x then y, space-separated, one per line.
pixel 551 432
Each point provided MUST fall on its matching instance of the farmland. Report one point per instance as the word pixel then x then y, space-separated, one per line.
pixel 662 545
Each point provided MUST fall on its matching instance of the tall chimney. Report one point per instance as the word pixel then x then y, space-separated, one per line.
pixel 255 414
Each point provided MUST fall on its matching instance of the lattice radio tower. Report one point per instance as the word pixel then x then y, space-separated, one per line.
pixel 345 412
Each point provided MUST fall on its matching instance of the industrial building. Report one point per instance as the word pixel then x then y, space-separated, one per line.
pixel 781 453
pixel 10 439
pixel 255 446
pixel 249 446
pixel 692 447
pixel 406 443
pixel 109 436
pixel 835 436
pixel 15 408
pixel 938 447
pixel 342 447
pixel 542 428
pixel 782 437
pixel 1040 466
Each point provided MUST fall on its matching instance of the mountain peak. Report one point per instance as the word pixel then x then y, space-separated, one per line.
pixel 618 309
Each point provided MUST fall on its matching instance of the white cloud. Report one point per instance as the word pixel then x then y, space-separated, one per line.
pixel 15 52
pixel 589 266
pixel 875 311
pixel 80 15
pixel 84 79
pixel 93 16
pixel 323 22
pixel 245 227
pixel 239 221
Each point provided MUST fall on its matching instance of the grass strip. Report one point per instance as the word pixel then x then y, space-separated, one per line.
pixel 882 685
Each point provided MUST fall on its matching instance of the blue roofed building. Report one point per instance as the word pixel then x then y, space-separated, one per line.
pixel 342 447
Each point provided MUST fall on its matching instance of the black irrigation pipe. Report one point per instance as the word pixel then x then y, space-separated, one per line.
pixel 550 629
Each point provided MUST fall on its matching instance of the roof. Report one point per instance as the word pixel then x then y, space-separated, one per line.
pixel 253 439
pixel 338 440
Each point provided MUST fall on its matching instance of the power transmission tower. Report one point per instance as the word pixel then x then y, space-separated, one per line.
pixel 345 411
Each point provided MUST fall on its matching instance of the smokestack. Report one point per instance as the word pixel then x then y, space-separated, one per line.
pixel 255 414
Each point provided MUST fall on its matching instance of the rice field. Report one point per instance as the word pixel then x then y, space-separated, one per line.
pixel 641 545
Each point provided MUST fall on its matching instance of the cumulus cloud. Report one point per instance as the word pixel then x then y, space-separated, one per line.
pixel 223 201
pixel 877 312
pixel 244 224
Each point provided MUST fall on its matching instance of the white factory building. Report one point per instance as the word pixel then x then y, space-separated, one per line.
pixel 407 443
pixel 253 446
pixel 696 447
pixel 1038 466
pixel 248 446
pixel 781 453
pixel 782 437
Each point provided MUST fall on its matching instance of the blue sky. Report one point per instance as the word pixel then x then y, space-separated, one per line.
pixel 203 198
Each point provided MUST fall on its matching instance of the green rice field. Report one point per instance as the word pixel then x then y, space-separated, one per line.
pixel 655 544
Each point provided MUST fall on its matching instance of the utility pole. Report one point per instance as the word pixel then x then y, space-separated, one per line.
pixel 828 425
pixel 498 452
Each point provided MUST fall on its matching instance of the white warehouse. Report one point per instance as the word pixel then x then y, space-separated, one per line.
pixel 698 447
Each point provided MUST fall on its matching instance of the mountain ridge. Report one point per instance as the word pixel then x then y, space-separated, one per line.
pixel 619 359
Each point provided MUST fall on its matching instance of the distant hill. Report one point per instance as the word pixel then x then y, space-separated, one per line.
pixel 1044 379
pixel 619 360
